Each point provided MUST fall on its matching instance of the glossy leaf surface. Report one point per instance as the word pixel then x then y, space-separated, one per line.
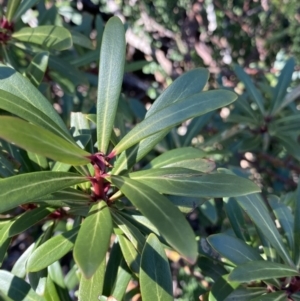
pixel 93 239
pixel 160 211
pixel 111 69
pixel 155 275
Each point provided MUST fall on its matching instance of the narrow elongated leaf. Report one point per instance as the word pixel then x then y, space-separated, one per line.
pixel 19 268
pixel 28 219
pixel 170 158
pixel 91 289
pixel 183 87
pixel 185 182
pixel 275 296
pixel 93 239
pixel 160 211
pixel 18 85
pixel 284 80
pixel 81 40
pixel 36 184
pixel 257 211
pixel 51 293
pixel 52 250
pixel 155 279
pixel 12 6
pixel 48 36
pixel 111 69
pixel 246 294
pixel 4 240
pixel 37 68
pixel 41 141
pixel 186 204
pixel 250 88
pixel 296 250
pixel 233 249
pixel 211 268
pixel 16 288
pixel 22 8
pixel 175 114
pixel 261 270
pixel 16 105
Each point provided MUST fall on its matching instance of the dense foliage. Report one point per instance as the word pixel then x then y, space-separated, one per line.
pixel 120 180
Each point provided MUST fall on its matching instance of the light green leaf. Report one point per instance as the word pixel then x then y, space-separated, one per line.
pixel 261 270
pixel 185 182
pixel 164 216
pixel 155 274
pixel 4 240
pixel 51 293
pixel 250 88
pixel 37 68
pixel 48 36
pixel 36 184
pixel 93 239
pixel 19 268
pixel 111 69
pixel 296 230
pixel 12 6
pixel 175 114
pixel 28 219
pixel 233 249
pixel 28 136
pixel 51 250
pixel 23 7
pixel 284 81
pixel 18 85
pixel 257 211
pixel 16 288
pixel 91 289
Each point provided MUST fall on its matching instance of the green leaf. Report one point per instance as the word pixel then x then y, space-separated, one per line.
pixel 81 40
pixel 261 270
pixel 48 36
pixel 91 289
pixel 12 6
pixel 28 219
pixel 28 136
pixel 257 211
pixel 37 68
pixel 187 157
pixel 51 250
pixel 250 88
pixel 160 211
pixel 185 182
pixel 4 240
pixel 183 87
pixel 155 275
pixel 93 239
pixel 186 204
pixel 111 69
pixel 16 288
pixel 233 249
pixel 131 232
pixel 51 293
pixel 246 294
pixel 222 288
pixel 18 85
pixel 175 114
pixel 130 254
pixel 284 81
pixel 211 268
pixel 285 218
pixel 25 188
pixel 296 230
pixel 275 296
pixel 23 7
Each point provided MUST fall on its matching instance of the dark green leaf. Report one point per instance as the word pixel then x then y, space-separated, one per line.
pixel 211 268
pixel 222 288
pixel 261 270
pixel 257 211
pixel 155 275
pixel 52 250
pixel 275 296
pixel 245 294
pixel 48 36
pixel 175 114
pixel 233 249
pixel 81 40
pixel 16 288
pixel 12 6
pixel 111 69
pixel 36 184
pixel 28 136
pixel 93 239
pixel 28 219
pixel 185 182
pixel 296 250
pixel 23 7
pixel 186 204
pixel 160 211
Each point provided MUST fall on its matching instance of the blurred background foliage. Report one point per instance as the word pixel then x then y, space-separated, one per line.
pixel 257 137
